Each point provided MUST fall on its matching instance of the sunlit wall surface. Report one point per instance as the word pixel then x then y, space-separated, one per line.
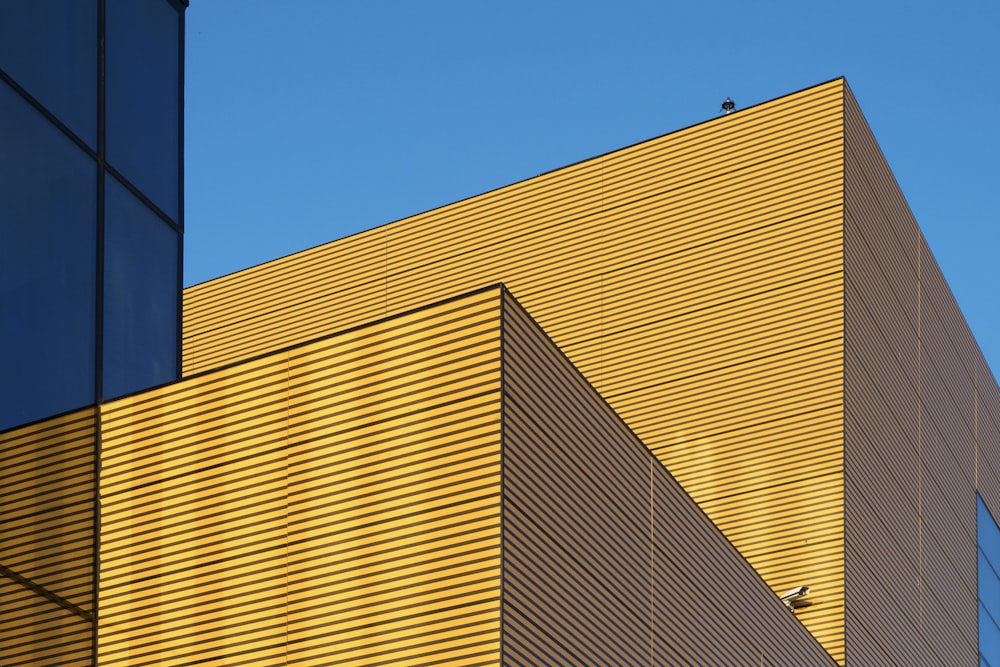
pixel 90 201
pixel 989 587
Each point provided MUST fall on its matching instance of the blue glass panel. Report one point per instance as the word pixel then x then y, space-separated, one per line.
pixel 143 92
pixel 989 533
pixel 141 295
pixel 989 584
pixel 50 48
pixel 48 227
pixel 989 637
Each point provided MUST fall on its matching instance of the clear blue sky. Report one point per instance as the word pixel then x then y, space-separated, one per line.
pixel 309 120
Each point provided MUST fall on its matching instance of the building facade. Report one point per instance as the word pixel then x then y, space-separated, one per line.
pixel 602 416
pixel 91 203
pixel 91 217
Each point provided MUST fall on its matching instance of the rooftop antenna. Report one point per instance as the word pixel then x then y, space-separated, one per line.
pixel 728 105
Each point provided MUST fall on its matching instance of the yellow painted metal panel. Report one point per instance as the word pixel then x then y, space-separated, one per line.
pixel 539 254
pixel 323 276
pixel 583 496
pixel 47 476
pixel 34 631
pixel 696 279
pixel 496 226
pixel 348 482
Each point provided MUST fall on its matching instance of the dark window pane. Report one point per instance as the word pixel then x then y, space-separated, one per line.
pixel 142 77
pixel 48 227
pixel 50 48
pixel 141 297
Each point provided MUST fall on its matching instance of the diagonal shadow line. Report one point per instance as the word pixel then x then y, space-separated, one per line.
pixel 47 594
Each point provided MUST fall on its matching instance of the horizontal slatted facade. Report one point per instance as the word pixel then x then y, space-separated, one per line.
pixel 395 485
pixel 47 489
pixel 696 280
pixel 913 381
pixel 334 503
pixel 731 610
pixel 35 632
pixel 194 511
pixel 599 538
pixel 577 568
pixel 549 238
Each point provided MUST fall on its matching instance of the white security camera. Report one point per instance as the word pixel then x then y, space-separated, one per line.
pixel 793 599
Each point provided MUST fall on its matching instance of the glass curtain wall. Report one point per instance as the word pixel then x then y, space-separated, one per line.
pixel 90 201
pixel 989 586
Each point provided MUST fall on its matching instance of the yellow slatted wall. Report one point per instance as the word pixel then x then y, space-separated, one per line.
pixel 34 631
pixel 696 279
pixel 335 503
pixel 598 539
pixel 47 488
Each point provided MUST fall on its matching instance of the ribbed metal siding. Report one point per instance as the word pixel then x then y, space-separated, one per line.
pixel 881 407
pixel 599 539
pixel 394 480
pixel 47 532
pixel 949 559
pixel 36 632
pixel 544 236
pixel 194 534
pixel 47 564
pixel 350 274
pixel 337 503
pixel 667 271
pixel 988 438
pixel 911 420
pixel 577 550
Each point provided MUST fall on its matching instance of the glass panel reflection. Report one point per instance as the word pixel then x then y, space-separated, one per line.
pixel 989 637
pixel 989 584
pixel 140 294
pixel 143 88
pixel 48 222
pixel 49 47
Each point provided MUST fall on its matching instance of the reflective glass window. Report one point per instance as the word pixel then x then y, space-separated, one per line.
pixel 989 585
pixel 49 47
pixel 989 637
pixel 142 90
pixel 989 533
pixel 48 227
pixel 141 301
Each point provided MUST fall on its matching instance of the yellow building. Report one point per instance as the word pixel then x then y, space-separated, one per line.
pixel 606 415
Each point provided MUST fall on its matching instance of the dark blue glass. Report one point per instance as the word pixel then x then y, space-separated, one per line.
pixel 48 239
pixel 141 295
pixel 49 47
pixel 143 92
